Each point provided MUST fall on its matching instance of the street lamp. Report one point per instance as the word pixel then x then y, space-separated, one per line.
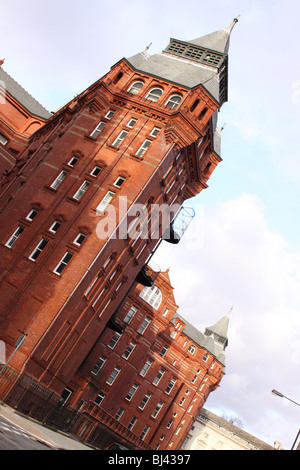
pixel 279 394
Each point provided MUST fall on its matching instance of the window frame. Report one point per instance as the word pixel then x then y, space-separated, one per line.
pixel 98 129
pixel 132 87
pixel 59 179
pixel 105 202
pixel 63 263
pixel 15 236
pixel 150 94
pixel 169 100
pixel 82 190
pixel 38 250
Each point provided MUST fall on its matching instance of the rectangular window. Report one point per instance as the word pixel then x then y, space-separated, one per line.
pixel 132 122
pixel 99 398
pixel 144 325
pixel 59 179
pixel 132 392
pixel 14 237
pixel 130 314
pixel 144 432
pixel 79 239
pixel 97 129
pixel 159 406
pixel 119 414
pixel 105 201
pixel 73 161
pixel 119 181
pixel 3 139
pixel 146 144
pixel 120 138
pixel 128 351
pixel 171 385
pixel 91 285
pixel 31 215
pixel 114 340
pixel 110 114
pixel 63 263
pixel 55 226
pixel 113 375
pixel 98 297
pixel 145 401
pixel 158 377
pixel 95 171
pixel 146 367
pixel 99 364
pixel 155 131
pixel 83 188
pixel 164 351
pixel 132 423
pixel 38 250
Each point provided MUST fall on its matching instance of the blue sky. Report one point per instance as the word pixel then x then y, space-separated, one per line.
pixel 243 248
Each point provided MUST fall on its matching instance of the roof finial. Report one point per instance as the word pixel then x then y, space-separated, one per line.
pixel 145 53
pixel 232 25
pixel 2 62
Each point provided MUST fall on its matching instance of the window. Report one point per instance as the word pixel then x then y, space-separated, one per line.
pixel 164 351
pixel 95 171
pixel 79 239
pixel 143 148
pixel 182 401
pixel 3 139
pixel 114 340
pixel 144 432
pixel 159 406
pixel 132 122
pixel 154 94
pixel 59 179
pixel 119 181
pixel 145 401
pixel 98 296
pixel 63 263
pixel 110 114
pixel 136 87
pixel 132 423
pixel 165 312
pixel 98 129
pixel 14 237
pixel 158 377
pixel 174 101
pixel 99 364
pixel 120 138
pixel 83 188
pixel 31 214
pixel 113 375
pixel 191 349
pixel 105 201
pixel 144 325
pixel 99 398
pixel 55 226
pixel 132 392
pixel 73 161
pixel 171 385
pixel 38 250
pixel 155 131
pixel 128 351
pixel 130 314
pixel 205 357
pixel 173 334
pixel 146 367
pixel 119 414
pixel 152 295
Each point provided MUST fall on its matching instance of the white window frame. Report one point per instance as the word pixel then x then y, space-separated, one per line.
pixel 51 229
pixel 118 141
pixel 114 374
pixel 109 114
pixel 130 314
pixel 144 325
pixel 173 104
pixel 152 295
pixel 105 201
pixel 135 90
pixel 146 367
pixel 143 148
pixel 157 409
pixel 72 162
pixel 158 377
pixel 63 263
pixel 152 96
pixel 82 190
pixel 76 240
pixel 98 366
pixel 38 249
pixel 155 131
pixel 129 350
pixel 14 237
pixel 114 340
pixel 132 392
pixel 3 140
pixel 121 179
pixel 131 123
pixel 31 215
pixel 171 385
pixel 97 169
pixel 98 129
pixel 59 179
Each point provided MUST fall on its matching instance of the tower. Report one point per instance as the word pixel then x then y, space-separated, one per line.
pixel 144 135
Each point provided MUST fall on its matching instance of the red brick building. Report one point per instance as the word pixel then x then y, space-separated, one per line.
pixel 154 377
pixel 145 135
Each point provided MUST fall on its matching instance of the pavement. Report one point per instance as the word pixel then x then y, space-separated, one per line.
pixel 54 439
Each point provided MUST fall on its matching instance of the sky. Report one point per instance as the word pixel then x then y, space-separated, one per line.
pixel 242 248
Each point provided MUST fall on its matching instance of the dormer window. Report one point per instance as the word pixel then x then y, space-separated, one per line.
pixel 136 87
pixel 174 101
pixel 154 94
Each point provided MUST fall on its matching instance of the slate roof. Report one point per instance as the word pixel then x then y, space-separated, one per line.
pixel 22 96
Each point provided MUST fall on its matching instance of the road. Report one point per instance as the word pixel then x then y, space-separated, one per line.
pixel 13 437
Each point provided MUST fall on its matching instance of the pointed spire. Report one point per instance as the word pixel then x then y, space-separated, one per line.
pixel 217 41
pixel 232 25
pixel 220 330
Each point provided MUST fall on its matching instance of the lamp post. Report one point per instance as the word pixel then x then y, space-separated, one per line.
pixel 279 394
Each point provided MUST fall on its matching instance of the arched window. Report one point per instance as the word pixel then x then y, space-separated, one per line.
pixel 174 101
pixel 154 94
pixel 136 87
pixel 152 295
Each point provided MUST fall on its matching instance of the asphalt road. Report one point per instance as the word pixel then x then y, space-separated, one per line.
pixel 13 437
